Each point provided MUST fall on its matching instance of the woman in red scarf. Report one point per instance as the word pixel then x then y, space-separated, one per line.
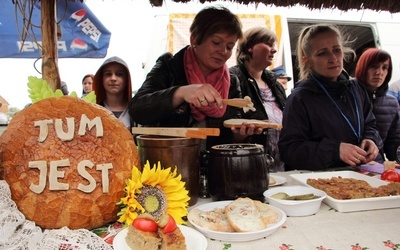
pixel 186 89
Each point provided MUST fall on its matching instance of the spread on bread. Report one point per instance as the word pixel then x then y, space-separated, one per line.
pixel 240 215
pixel 237 123
pixel 250 105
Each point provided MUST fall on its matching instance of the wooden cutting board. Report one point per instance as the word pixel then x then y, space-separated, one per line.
pixel 200 133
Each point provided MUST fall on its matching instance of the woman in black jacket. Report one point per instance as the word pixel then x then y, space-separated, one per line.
pixel 327 120
pixel 186 89
pixel 374 71
pixel 255 52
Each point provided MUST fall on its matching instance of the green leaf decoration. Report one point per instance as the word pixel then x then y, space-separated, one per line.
pixel 39 89
pixel 73 94
pixel 91 97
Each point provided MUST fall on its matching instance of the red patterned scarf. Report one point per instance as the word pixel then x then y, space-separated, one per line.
pixel 219 79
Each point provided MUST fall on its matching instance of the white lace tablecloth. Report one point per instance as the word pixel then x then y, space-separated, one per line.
pixel 328 229
pixel 18 233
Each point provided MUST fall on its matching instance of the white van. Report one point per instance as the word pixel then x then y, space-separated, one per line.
pixel 365 28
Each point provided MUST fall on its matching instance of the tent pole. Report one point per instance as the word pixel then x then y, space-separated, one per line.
pixel 50 71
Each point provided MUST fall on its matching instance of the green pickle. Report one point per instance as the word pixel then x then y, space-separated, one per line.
pixel 302 197
pixel 281 196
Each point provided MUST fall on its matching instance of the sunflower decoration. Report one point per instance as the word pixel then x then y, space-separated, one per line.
pixel 156 191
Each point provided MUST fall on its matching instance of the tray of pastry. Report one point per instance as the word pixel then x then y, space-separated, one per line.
pixel 351 194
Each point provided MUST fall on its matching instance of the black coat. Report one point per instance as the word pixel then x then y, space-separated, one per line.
pixel 386 110
pixel 313 127
pixel 249 87
pixel 152 104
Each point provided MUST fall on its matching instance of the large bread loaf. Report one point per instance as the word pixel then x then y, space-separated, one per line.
pixel 41 165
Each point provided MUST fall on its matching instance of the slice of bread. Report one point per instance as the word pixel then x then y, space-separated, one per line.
pixel 237 123
pixel 267 214
pixel 272 181
pixel 244 216
pixel 215 220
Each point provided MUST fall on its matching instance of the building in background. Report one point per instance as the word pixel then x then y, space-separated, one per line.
pixel 3 105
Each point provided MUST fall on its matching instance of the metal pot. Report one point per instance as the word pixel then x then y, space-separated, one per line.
pixel 170 152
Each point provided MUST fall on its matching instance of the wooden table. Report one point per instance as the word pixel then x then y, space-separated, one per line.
pixel 328 229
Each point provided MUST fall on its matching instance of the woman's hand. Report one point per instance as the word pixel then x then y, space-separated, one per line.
pixel 354 155
pixel 245 130
pixel 199 95
pixel 372 150
pixel 351 154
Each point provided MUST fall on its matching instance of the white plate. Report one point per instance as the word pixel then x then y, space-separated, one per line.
pixel 194 240
pixel 279 180
pixel 352 205
pixel 236 236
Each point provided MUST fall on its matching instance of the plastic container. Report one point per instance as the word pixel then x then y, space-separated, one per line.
pixel 296 207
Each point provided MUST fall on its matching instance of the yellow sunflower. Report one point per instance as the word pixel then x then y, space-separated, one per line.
pixel 156 191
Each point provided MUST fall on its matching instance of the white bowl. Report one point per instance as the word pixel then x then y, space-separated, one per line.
pixel 296 207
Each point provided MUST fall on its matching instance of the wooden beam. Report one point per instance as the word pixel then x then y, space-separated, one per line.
pixel 50 71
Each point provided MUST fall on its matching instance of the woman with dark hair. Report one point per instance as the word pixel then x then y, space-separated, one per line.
pixel 255 52
pixel 87 84
pixel 374 71
pixel 186 89
pixel 327 120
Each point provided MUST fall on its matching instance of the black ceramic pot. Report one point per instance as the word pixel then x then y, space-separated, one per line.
pixel 238 170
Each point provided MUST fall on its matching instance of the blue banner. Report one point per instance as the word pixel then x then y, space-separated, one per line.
pixel 81 34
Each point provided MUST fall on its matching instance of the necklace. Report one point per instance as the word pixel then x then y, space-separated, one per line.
pixel 356 133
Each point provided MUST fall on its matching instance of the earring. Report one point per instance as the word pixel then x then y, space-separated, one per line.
pixel 194 46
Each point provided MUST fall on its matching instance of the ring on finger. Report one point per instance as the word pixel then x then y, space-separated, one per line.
pixel 202 100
